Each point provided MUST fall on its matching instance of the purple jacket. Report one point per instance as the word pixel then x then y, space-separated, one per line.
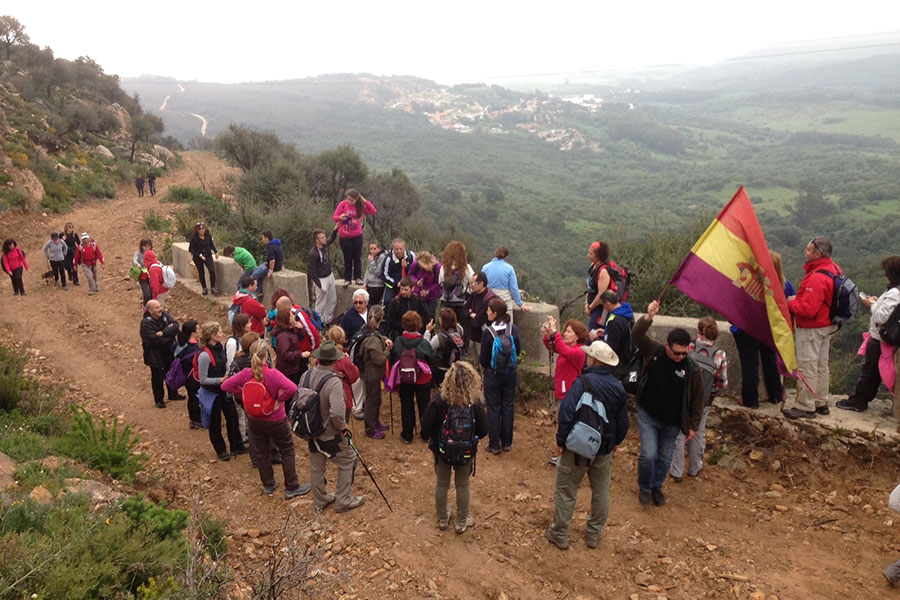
pixel 280 387
pixel 428 279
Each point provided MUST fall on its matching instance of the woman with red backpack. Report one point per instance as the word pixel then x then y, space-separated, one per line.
pixel 88 255
pixel 411 365
pixel 264 392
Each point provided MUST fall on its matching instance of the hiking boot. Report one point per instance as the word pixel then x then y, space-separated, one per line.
pixel 507 448
pixel 375 434
pixel 224 457
pixel 561 544
pixel 494 450
pixel 592 541
pixel 354 503
pixel 269 489
pixel 678 479
pixel 892 574
pixel 205 291
pixel 823 410
pixel 240 450
pixel 215 291
pixel 382 427
pixel 160 404
pixel 798 413
pixel 658 497
pixel 301 490
pixel 196 425
pixel 461 527
pixel 554 460
pixel 443 523
pixel 644 496
pixel 328 500
pixel 848 404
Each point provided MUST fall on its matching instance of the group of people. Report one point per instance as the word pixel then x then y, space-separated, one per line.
pixel 148 180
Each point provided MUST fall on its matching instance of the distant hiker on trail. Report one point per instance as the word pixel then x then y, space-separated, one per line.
pixel 72 240
pixel 599 382
pixel 349 217
pixel 139 184
pixel 210 372
pixel 143 277
pixel 476 307
pixel 455 281
pixel 272 427
pixel 811 308
pixel 454 422
pixel 502 280
pixel 616 329
pixel 203 253
pixel 500 346
pixel 446 343
pixel 706 355
pixel 396 267
pixel 14 264
pixel 185 350
pixel 90 258
pixel 245 300
pixel 373 282
pixel 55 250
pixel 332 443
pixel 274 260
pixel 151 182
pixel 158 331
pixel 242 257
pixel 598 281
pixel 155 277
pixel 321 273
pixel 879 355
pixel 406 301
pixel 670 398
pixel 751 353
pixel 375 349
pixel 424 273
pixel 411 363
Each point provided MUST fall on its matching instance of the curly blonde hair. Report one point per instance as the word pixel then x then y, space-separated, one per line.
pixel 462 385
pixel 259 355
pixel 207 331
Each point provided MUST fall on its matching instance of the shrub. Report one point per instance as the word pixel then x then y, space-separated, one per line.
pixel 103 447
pixel 98 186
pixel 155 222
pixel 14 197
pixel 13 382
pixel 165 524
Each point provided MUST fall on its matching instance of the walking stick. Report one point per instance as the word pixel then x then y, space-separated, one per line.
pixel 552 390
pixel 366 467
pixel 391 396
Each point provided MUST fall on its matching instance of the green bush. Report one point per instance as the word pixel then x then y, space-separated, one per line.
pixel 98 186
pixel 155 222
pixel 165 524
pixel 13 382
pixel 14 198
pixel 102 447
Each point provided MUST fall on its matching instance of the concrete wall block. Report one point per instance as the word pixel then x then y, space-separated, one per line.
pixel 228 273
pixel 294 282
pixel 529 326
pixel 181 261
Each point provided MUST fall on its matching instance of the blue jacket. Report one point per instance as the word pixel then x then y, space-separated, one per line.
pixel 608 389
pixel 502 276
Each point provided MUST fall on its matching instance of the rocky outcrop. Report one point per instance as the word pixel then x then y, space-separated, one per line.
pixel 25 180
pixel 163 153
pixel 7 471
pixel 104 151
pixel 97 492
pixel 123 117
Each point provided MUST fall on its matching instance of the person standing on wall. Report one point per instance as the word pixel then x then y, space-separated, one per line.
pixel 349 216
pixel 203 251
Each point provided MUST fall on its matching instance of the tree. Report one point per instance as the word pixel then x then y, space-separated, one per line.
pixel 396 199
pixel 12 33
pixel 143 127
pixel 248 149
pixel 339 168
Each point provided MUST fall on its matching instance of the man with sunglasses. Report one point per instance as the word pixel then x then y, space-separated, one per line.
pixel 811 308
pixel 670 398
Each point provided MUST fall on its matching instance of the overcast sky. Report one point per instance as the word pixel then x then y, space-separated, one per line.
pixel 450 42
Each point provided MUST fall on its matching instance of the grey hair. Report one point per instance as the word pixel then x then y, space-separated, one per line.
pixel 398 240
pixel 823 245
pixel 363 293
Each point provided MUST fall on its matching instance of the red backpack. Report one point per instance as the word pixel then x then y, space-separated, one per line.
pixel 258 402
pixel 409 366
pixel 212 359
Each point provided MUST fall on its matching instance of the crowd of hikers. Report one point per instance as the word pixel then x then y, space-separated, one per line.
pixel 441 335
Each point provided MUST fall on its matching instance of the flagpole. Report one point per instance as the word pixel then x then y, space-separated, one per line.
pixel 662 294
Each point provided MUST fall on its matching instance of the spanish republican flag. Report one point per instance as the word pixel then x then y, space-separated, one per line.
pixel 730 271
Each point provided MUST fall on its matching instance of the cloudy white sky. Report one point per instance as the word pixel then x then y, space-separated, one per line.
pixel 450 42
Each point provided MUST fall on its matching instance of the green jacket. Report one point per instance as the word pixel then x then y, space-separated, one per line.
pixel 692 400
pixel 243 258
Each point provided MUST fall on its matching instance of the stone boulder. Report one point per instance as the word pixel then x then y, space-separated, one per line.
pixel 41 495
pixel 7 471
pixel 97 492
pixel 104 151
pixel 163 153
pixel 149 159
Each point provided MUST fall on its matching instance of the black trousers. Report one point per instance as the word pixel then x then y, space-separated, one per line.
pixel 17 283
pixel 223 405
pixel 70 268
pixel 412 397
pixel 869 376
pixel 193 403
pixel 751 352
pixel 375 295
pixel 207 265
pixel 146 293
pixel 59 270
pixel 158 383
pixel 352 249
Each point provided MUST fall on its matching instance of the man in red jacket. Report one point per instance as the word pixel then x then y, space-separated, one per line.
pixel 245 298
pixel 811 308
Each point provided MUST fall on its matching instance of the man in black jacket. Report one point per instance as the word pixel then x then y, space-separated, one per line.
pixel 476 305
pixel 392 325
pixel 321 273
pixel 598 380
pixel 616 329
pixel 158 331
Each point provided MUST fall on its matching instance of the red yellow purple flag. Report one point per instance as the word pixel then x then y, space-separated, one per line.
pixel 730 271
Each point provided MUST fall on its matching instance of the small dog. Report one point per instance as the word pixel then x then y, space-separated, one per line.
pixel 47 278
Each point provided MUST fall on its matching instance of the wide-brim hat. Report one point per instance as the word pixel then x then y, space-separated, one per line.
pixel 328 351
pixel 601 351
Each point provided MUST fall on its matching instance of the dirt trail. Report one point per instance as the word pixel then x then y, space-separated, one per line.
pixel 726 534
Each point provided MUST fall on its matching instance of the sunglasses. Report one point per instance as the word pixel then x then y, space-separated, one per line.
pixel 359 302
pixel 680 354
pixel 815 245
pixel 201 224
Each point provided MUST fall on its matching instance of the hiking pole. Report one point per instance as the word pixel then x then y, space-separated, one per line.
pixel 391 396
pixel 550 366
pixel 366 467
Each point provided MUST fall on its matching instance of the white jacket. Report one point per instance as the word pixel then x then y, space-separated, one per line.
pixel 882 309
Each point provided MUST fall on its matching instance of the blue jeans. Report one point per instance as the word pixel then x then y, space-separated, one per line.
pixel 259 274
pixel 657 444
pixel 500 397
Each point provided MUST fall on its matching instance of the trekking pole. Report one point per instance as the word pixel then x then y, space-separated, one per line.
pixel 366 467
pixel 391 396
pixel 550 364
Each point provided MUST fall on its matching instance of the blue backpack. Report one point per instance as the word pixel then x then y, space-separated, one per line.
pixel 590 431
pixel 503 350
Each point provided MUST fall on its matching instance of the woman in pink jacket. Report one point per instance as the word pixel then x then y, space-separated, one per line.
pixel 570 358
pixel 271 427
pixel 14 263
pixel 349 216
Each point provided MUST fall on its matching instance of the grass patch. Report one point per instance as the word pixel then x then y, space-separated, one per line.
pixel 156 222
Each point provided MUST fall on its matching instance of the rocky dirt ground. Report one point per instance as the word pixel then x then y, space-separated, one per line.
pixel 785 513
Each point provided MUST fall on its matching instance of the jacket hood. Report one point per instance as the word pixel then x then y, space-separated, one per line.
pixel 820 263
pixel 240 296
pixel 149 258
pixel 276 241
pixel 624 311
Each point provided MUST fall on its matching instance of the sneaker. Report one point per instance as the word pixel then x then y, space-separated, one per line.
pixel 507 448
pixel 205 291
pixel 196 425
pixel 444 523
pixel 269 489
pixel 678 479
pixel 347 283
pixel 494 450
pixel 644 496
pixel 354 503
pixel 561 544
pixel 76 283
pixel 177 397
pixel 301 490
pixel 358 415
pixel 747 404
pixel 240 450
pixel 160 404
pixel 382 427
pixel 15 292
pixel 658 497
pixel 375 434
pixel 848 404
pixel 592 541
pixel 823 410
pixel 407 442
pixel 798 413
pixel 65 288
pixel 90 292
pixel 554 460
pixel 224 457
pixel 461 527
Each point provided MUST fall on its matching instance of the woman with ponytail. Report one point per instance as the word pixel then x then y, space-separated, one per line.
pixel 272 427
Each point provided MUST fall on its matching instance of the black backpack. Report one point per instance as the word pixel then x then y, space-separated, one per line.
pixel 844 298
pixel 458 442
pixel 890 329
pixel 504 353
pixel 451 347
pixel 704 358
pixel 354 347
pixel 306 414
